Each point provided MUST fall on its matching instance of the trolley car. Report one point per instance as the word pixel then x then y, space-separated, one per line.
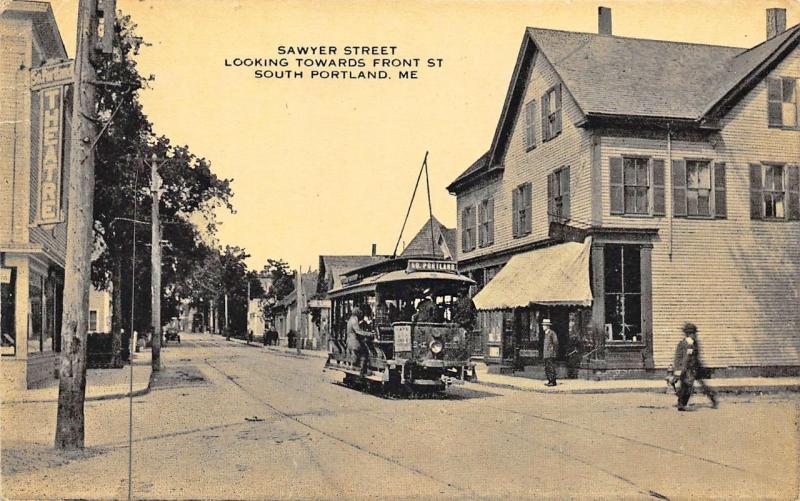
pixel 409 306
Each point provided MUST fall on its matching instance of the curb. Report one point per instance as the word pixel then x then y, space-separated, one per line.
pixel 778 388
pixel 95 398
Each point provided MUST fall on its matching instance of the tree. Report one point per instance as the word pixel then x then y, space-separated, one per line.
pixel 282 284
pixel 122 194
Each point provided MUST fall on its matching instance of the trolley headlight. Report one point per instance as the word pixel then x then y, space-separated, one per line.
pixel 436 346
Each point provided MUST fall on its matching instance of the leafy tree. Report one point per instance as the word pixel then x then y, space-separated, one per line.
pixel 122 193
pixel 282 284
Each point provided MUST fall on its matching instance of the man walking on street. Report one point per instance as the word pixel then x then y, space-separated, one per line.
pixel 689 369
pixel 549 352
pixel 355 341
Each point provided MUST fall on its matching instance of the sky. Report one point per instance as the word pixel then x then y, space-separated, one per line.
pixel 327 166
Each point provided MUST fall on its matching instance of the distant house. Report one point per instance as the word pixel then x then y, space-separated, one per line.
pixel 633 185
pixel 294 314
pixel 443 238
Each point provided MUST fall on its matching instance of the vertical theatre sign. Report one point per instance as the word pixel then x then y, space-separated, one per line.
pixel 51 82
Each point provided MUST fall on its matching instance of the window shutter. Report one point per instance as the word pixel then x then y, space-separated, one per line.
pixel 515 212
pixel 528 219
pixel 678 187
pixel 659 207
pixel 756 202
pixel 558 111
pixel 774 102
pixel 490 233
pixel 565 213
pixel 720 201
pixel 545 126
pixel 464 230
pixel 481 215
pixel 530 120
pixel 793 192
pixel 550 200
pixel 617 186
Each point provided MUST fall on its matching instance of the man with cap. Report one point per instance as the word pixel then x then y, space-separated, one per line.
pixel 355 341
pixel 689 369
pixel 549 352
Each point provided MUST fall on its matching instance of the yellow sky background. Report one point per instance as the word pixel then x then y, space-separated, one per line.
pixel 328 166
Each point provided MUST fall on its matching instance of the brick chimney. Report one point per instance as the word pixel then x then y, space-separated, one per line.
pixel 604 21
pixel 374 250
pixel 776 22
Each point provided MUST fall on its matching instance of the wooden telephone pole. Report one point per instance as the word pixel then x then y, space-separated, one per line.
pixel 155 263
pixel 80 218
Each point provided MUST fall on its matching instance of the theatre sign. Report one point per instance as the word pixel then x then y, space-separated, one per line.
pixel 51 81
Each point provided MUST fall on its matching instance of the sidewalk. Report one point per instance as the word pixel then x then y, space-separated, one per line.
pixel 585 386
pixel 101 384
pixel 578 386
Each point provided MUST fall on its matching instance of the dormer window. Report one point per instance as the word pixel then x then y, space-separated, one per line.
pixel 782 102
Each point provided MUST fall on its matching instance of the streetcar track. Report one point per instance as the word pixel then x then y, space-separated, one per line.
pixel 606 434
pixel 342 440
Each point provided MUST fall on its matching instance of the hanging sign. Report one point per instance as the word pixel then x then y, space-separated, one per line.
pixel 51 106
pixel 52 75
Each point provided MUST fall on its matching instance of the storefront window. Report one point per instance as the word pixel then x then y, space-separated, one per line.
pixel 8 331
pixel 623 294
pixel 35 314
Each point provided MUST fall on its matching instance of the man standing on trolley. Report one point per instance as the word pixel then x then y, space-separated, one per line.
pixel 356 346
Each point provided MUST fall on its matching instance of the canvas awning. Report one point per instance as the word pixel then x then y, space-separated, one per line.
pixel 557 275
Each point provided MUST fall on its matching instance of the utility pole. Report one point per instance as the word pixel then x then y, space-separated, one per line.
pixel 155 263
pixel 299 300
pixel 77 269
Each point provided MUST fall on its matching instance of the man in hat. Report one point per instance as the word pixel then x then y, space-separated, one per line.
pixel 355 341
pixel 689 369
pixel 549 352
pixel 427 311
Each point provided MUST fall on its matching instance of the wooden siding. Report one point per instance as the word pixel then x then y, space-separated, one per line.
pixel 571 148
pixel 19 150
pixel 736 278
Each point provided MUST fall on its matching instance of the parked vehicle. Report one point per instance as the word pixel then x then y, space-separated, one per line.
pixel 414 342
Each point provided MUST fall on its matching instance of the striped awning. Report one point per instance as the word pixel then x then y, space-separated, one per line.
pixel 556 275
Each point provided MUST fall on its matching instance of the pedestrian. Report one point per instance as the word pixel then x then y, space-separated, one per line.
pixel 689 368
pixel 549 352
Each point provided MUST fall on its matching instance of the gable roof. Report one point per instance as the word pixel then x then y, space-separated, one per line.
pixel 422 245
pixel 44 25
pixel 309 283
pixel 336 266
pixel 610 76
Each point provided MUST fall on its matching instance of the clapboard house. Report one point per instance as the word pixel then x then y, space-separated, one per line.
pixel 633 185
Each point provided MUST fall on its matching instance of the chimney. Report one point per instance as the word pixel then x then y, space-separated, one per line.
pixel 374 250
pixel 776 22
pixel 604 21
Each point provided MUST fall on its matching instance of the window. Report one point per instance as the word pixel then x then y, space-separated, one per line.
pixel 486 222
pixel 468 229
pixel 92 320
pixel 637 185
pixel 623 293
pixel 521 210
pixel 530 129
pixel 551 113
pixel 698 188
pixel 782 102
pixel 774 191
pixel 558 195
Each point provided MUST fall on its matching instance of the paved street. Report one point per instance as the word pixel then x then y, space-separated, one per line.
pixel 231 421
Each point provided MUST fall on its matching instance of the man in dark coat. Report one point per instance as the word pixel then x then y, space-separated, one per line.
pixel 549 352
pixel 355 341
pixel 689 369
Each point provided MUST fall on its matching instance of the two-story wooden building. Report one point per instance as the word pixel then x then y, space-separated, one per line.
pixel 34 149
pixel 633 185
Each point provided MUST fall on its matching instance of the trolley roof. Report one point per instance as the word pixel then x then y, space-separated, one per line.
pixel 398 270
